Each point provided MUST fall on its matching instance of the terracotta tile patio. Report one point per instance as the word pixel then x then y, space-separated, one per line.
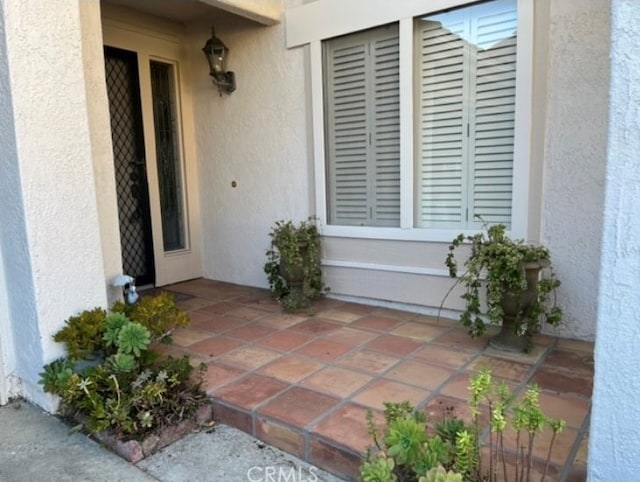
pixel 303 382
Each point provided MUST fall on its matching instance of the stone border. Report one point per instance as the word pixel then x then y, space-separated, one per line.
pixel 134 451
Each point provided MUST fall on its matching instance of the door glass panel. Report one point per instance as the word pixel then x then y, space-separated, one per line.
pixel 168 157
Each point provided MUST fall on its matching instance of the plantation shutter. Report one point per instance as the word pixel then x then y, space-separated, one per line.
pixel 386 132
pixel 465 78
pixel 362 128
pixel 494 84
pixel 442 124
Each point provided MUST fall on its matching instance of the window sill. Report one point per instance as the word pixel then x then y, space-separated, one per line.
pixel 394 234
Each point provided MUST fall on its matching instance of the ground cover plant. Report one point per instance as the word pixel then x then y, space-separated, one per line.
pixel 112 380
pixel 456 450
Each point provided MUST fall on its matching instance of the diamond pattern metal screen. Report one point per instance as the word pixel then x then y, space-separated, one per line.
pixel 131 184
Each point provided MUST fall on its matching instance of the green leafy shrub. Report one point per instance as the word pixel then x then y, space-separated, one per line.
pixel 407 451
pixel 82 334
pixel 158 314
pixel 496 266
pixel 132 391
pixel 293 264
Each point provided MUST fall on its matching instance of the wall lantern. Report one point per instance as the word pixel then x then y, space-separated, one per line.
pixel 216 53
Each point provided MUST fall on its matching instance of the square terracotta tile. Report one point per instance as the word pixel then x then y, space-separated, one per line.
pixel 291 368
pixel 280 436
pixel 298 406
pixel 376 323
pixel 357 309
pixel 325 350
pixel 501 368
pixel 419 374
pixel 418 331
pixel 219 308
pixel 457 387
pixel 564 382
pixel 394 345
pixel 250 391
pixel 571 361
pixel 285 340
pixel 339 316
pixel 193 304
pixel 197 316
pixel 334 458
pixel 214 346
pixel 249 357
pixel 530 358
pixel 572 410
pixel 281 321
pixel 575 345
pixel 368 361
pixel 562 446
pixel 441 407
pixel 250 332
pixel 218 375
pixel 443 356
pixel 217 323
pixel 459 339
pixel 246 313
pixel 376 393
pixel 337 381
pixel 350 336
pixel 187 336
pixel 393 314
pixel 316 326
pixel 347 426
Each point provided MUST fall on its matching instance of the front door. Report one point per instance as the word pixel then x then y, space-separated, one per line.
pixel 136 241
pixel 154 148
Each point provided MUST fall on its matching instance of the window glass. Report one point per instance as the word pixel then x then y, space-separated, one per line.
pixel 465 109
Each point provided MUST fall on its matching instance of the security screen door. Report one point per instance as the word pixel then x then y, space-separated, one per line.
pixel 154 155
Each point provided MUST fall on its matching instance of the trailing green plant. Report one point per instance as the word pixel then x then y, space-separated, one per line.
pixel 496 266
pixel 293 264
pixel 409 451
pixel 132 391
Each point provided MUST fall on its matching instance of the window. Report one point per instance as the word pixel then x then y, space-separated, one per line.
pixel 463 99
pixel 465 93
pixel 363 128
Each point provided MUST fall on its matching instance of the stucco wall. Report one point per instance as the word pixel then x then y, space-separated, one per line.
pixel 257 137
pixel 50 237
pixel 614 451
pixel 576 136
pixel 100 136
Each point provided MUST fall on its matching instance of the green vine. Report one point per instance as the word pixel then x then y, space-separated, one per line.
pixel 496 266
pixel 293 264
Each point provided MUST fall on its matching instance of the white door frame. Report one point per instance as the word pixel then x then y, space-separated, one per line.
pixel 166 46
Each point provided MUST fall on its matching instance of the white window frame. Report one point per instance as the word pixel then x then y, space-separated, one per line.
pixel 348 16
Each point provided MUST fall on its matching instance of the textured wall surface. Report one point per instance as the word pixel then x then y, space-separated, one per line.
pixel 100 135
pixel 257 137
pixel 578 79
pixel 614 451
pixel 51 239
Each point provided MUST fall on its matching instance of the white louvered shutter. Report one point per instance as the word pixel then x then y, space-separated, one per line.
pixel 492 128
pixel 386 132
pixel 465 80
pixel 441 170
pixel 362 128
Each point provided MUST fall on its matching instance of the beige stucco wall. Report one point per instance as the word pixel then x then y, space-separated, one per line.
pixel 257 137
pixel 51 239
pixel 260 137
pixel 575 155
pixel 100 137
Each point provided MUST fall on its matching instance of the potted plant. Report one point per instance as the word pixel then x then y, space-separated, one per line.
pixel 509 272
pixel 293 263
